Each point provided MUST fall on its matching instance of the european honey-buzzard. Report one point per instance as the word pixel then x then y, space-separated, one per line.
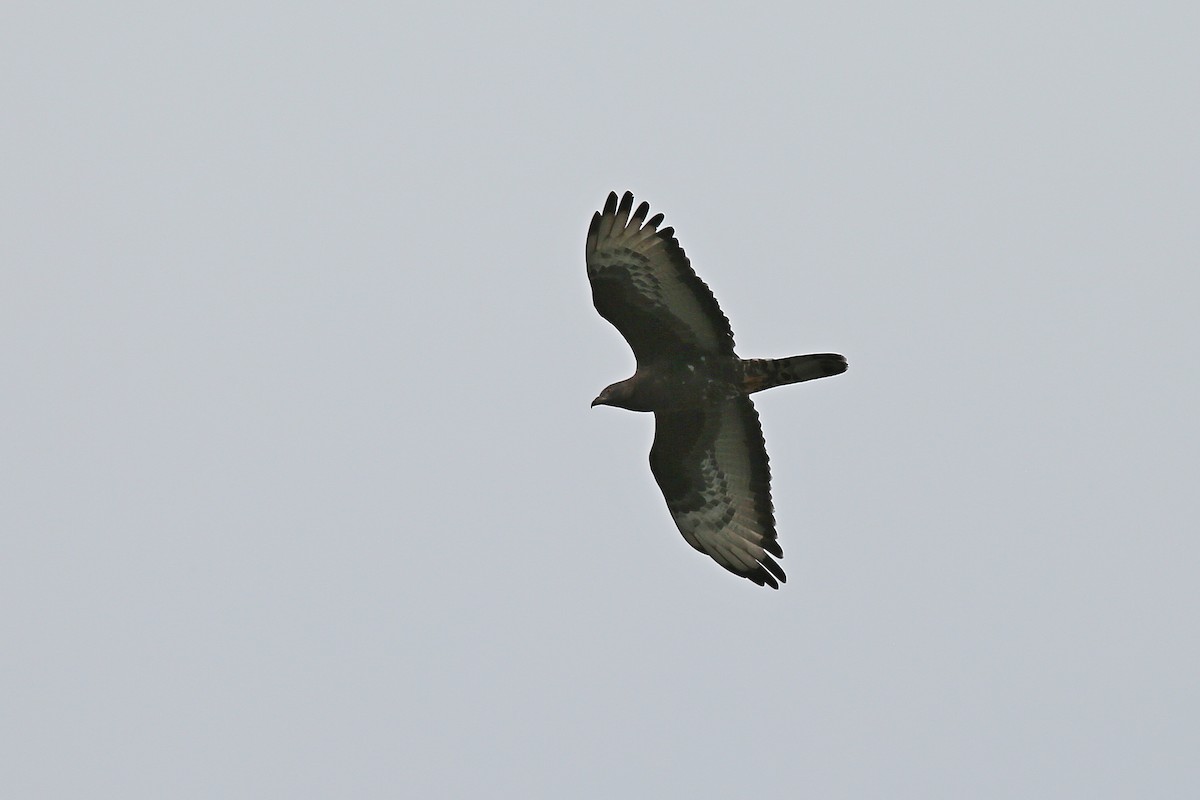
pixel 708 455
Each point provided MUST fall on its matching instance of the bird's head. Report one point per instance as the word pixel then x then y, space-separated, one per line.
pixel 619 394
pixel 608 396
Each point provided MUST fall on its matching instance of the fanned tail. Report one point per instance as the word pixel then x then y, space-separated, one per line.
pixel 766 373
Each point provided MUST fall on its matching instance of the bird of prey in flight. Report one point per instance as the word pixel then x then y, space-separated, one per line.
pixel 708 455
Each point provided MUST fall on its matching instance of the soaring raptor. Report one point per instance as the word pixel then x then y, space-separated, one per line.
pixel 708 455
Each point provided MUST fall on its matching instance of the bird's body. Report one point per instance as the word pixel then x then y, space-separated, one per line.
pixel 708 456
pixel 667 385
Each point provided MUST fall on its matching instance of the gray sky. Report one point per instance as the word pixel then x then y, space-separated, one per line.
pixel 302 495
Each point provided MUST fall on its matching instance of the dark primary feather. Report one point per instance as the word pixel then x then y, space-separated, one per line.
pixel 644 285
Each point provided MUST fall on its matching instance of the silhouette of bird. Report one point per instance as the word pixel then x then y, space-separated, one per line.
pixel 708 456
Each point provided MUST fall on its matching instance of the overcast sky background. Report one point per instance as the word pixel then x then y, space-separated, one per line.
pixel 302 495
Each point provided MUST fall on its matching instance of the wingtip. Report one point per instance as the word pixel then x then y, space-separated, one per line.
pixel 764 578
pixel 771 566
pixel 623 210
pixel 640 215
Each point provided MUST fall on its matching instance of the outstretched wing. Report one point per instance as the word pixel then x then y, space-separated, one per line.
pixel 644 285
pixel 711 464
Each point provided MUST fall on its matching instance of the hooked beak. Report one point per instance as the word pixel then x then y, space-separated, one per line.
pixel 596 402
